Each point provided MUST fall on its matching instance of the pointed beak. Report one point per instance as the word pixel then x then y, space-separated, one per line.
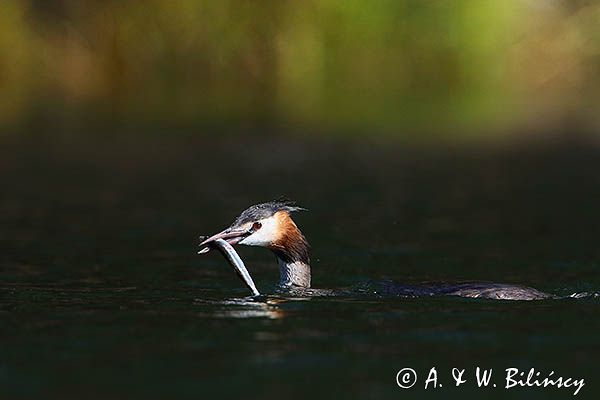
pixel 231 236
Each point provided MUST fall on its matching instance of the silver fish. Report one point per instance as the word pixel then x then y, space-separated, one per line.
pixel 236 262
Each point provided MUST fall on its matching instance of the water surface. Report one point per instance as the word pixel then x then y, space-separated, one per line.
pixel 102 294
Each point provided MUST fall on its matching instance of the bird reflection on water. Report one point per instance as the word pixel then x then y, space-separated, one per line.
pixel 250 307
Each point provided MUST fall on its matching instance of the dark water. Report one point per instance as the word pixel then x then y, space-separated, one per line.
pixel 103 296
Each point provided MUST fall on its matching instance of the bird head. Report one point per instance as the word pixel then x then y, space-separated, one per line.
pixel 267 225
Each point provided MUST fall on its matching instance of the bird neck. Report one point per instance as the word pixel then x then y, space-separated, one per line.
pixel 293 273
pixel 291 250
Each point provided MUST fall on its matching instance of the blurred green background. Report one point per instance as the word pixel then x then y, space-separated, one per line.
pixel 406 68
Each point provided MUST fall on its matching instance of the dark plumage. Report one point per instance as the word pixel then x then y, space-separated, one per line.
pixel 265 210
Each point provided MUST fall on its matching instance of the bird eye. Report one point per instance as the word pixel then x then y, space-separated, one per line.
pixel 256 226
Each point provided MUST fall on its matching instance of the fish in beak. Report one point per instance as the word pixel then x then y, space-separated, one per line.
pixel 236 262
pixel 230 235
pixel 223 241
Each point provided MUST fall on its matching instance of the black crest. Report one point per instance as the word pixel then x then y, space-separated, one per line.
pixel 265 210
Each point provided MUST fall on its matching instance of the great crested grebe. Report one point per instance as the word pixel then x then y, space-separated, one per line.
pixel 270 225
